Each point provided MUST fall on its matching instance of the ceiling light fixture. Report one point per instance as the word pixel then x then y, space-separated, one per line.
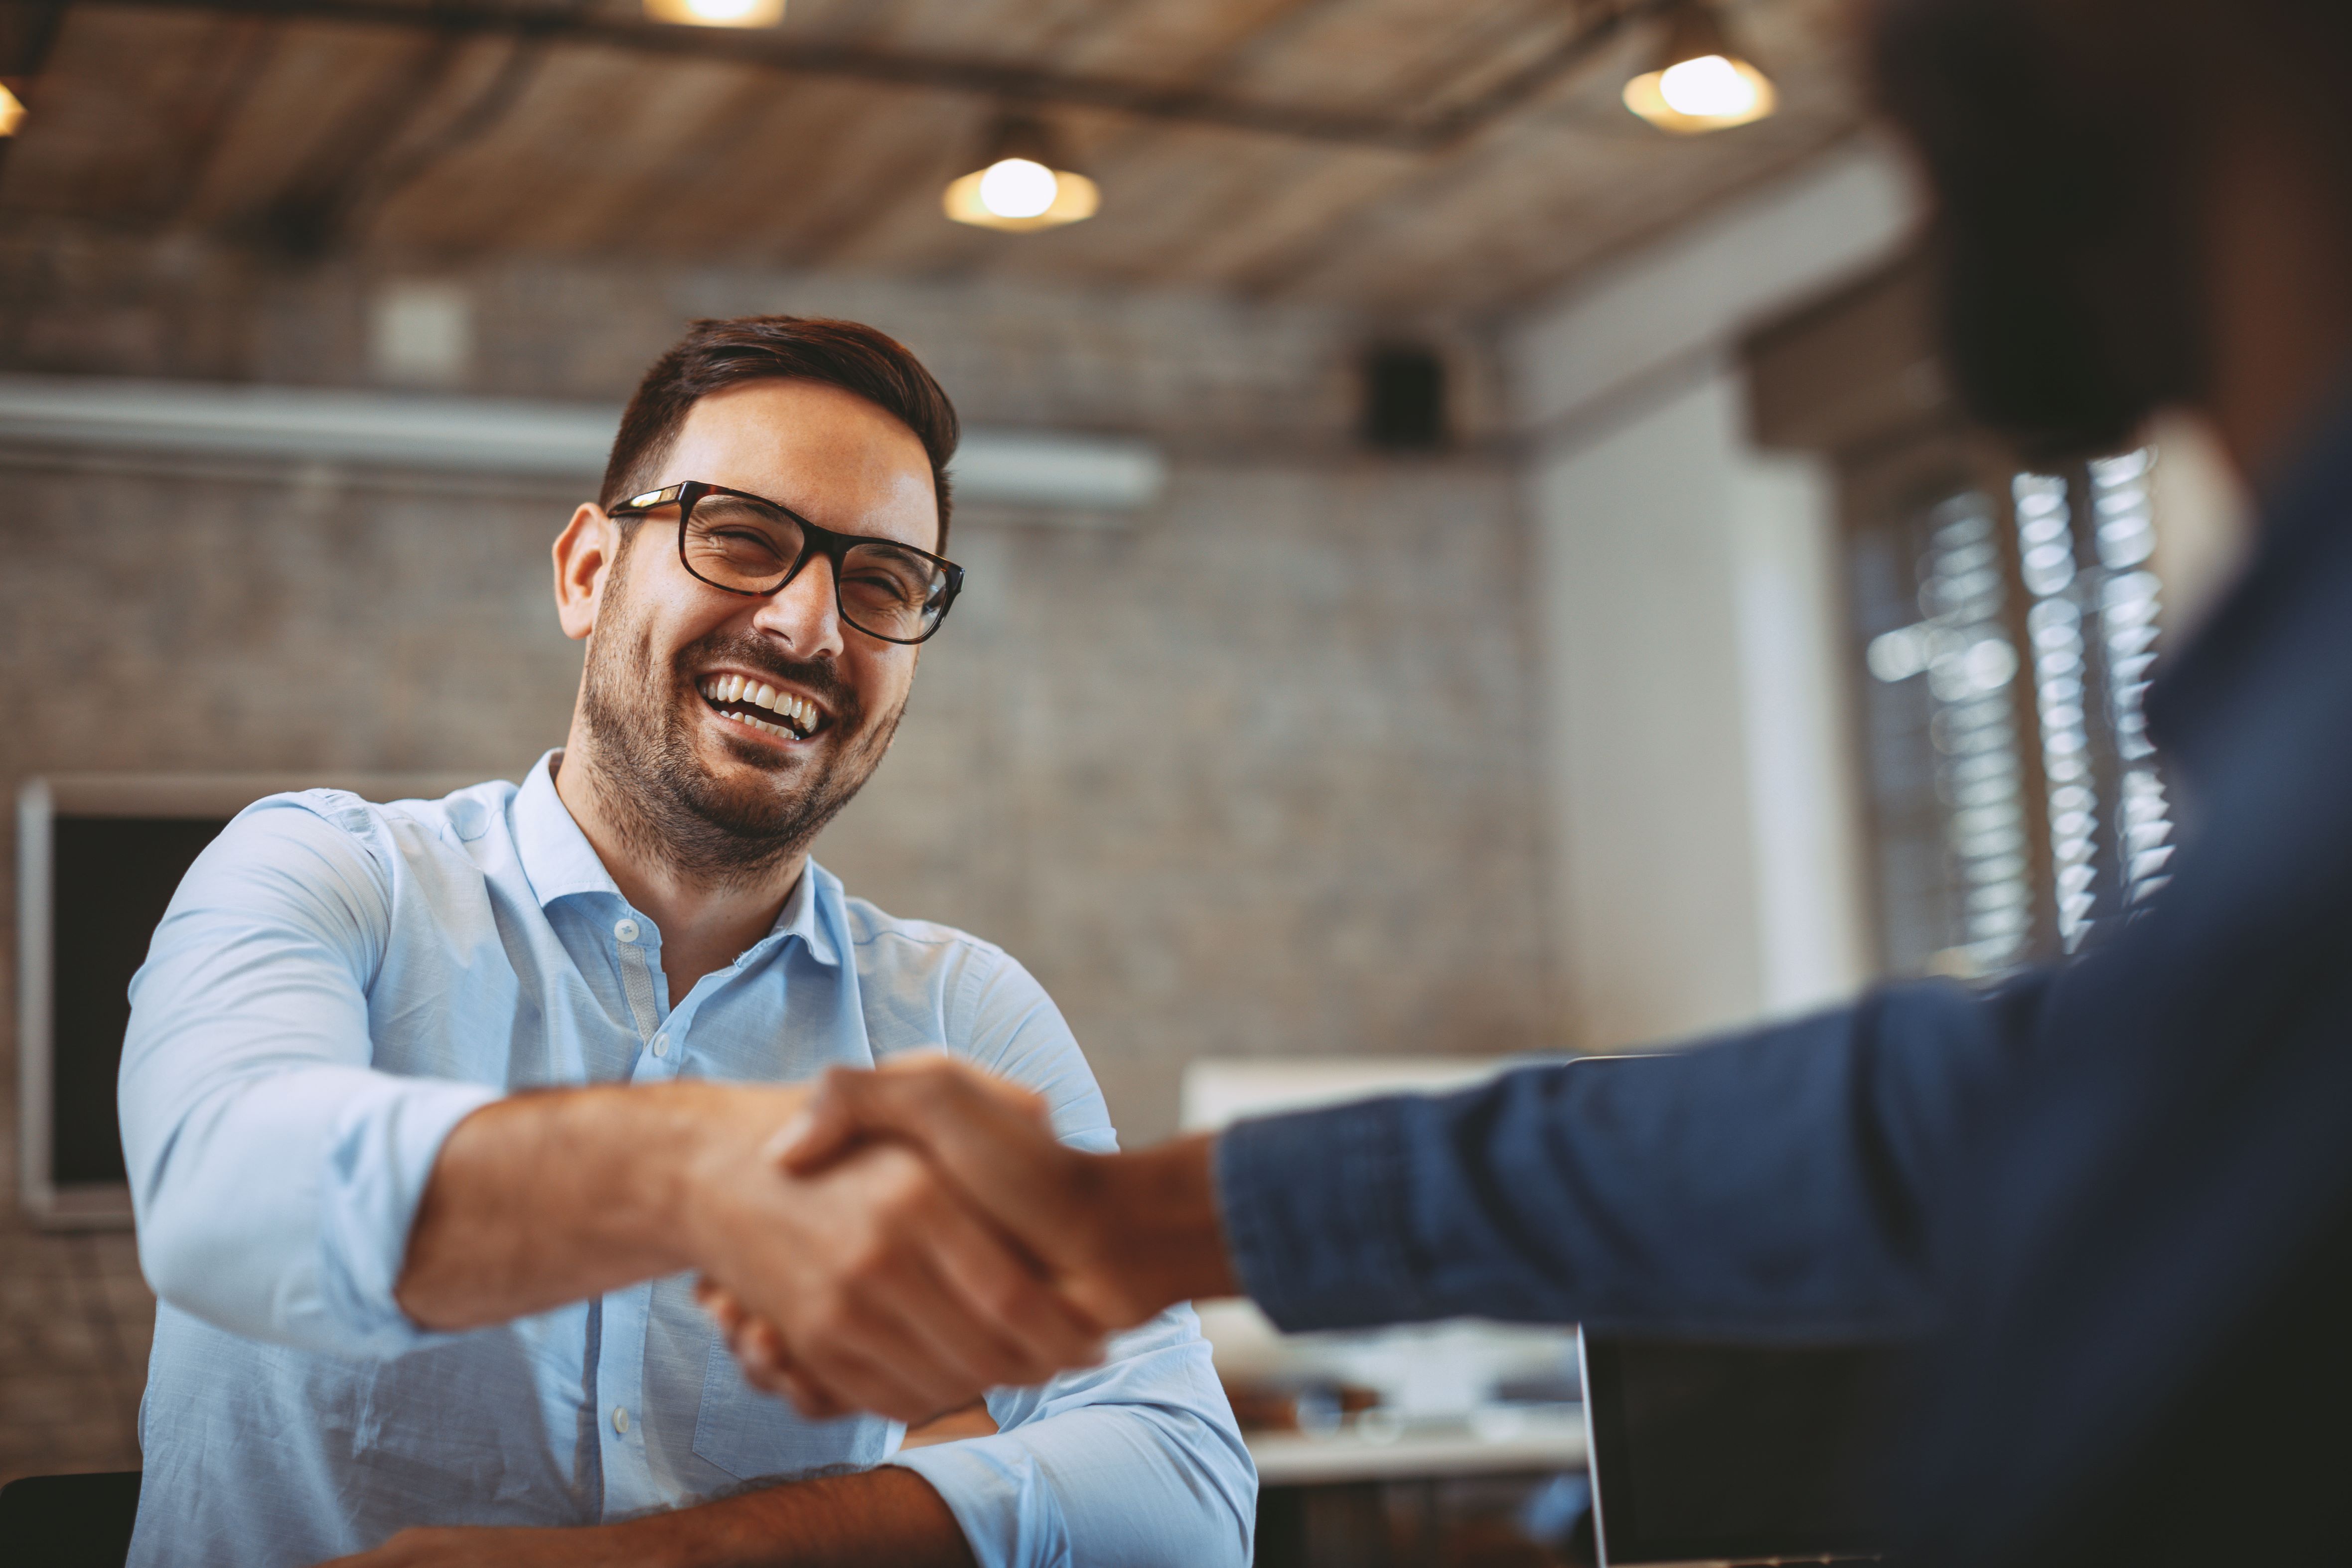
pixel 1023 184
pixel 717 12
pixel 12 111
pixel 1701 82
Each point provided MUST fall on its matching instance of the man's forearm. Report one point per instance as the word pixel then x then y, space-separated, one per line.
pixel 886 1515
pixel 1157 1212
pixel 549 1197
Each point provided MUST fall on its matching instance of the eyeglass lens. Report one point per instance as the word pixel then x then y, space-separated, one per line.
pixel 883 589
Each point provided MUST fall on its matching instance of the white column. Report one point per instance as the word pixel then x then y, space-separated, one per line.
pixel 1701 780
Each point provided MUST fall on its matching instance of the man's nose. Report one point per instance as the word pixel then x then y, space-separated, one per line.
pixel 805 612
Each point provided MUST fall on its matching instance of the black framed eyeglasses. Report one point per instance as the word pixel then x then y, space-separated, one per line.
pixel 747 544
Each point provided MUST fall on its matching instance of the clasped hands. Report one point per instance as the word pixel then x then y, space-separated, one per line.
pixel 966 1248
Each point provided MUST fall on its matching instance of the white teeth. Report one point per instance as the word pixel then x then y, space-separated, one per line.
pixel 775 729
pixel 801 712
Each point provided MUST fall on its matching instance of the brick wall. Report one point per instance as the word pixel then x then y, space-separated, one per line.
pixel 1252 774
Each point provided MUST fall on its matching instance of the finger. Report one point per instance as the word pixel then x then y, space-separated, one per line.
pixel 845 1108
pixel 724 1308
pixel 922 1333
pixel 766 1365
pixel 1003 1296
pixel 810 1397
pixel 823 1130
pixel 862 1340
pixel 995 1144
pixel 878 1366
pixel 978 1351
pixel 938 1060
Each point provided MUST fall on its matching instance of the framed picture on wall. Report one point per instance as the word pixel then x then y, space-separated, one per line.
pixel 97 858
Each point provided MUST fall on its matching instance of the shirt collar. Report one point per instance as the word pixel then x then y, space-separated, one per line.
pixel 556 855
pixel 560 863
pixel 814 913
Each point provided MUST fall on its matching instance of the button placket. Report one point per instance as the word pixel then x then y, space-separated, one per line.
pixel 629 1486
pixel 637 977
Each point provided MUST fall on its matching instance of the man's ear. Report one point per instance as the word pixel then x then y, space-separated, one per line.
pixel 585 552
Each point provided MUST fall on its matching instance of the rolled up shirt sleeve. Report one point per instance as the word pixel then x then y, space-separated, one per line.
pixel 1138 1462
pixel 274 1172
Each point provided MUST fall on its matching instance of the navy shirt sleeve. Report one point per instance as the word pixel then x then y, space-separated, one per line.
pixel 1769 1185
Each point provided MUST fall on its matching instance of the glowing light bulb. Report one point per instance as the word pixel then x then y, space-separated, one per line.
pixel 1709 87
pixel 717 13
pixel 1018 188
pixel 11 112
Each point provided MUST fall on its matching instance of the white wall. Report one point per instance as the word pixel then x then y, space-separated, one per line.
pixel 1701 794
pixel 2204 519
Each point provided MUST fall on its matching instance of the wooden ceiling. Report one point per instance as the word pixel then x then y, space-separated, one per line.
pixel 314 132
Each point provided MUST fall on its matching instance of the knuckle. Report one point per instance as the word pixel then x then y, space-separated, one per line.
pixel 833 1322
pixel 1009 1299
pixel 869 1258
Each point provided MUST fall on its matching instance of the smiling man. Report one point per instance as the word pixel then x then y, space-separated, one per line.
pixel 437 1111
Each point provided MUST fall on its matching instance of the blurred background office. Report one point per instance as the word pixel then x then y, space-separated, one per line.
pixel 1470 553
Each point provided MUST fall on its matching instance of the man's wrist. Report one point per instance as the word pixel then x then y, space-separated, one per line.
pixel 1156 1214
pixel 714 1138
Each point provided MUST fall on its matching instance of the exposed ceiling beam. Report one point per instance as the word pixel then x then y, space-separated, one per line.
pixel 950 73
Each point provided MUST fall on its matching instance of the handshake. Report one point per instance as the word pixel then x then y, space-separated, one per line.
pixel 938 1240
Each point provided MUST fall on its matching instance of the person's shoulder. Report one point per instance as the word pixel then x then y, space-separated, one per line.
pixel 928 986
pixel 882 937
pixel 338 824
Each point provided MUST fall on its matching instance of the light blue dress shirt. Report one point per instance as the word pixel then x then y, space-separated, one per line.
pixel 335 986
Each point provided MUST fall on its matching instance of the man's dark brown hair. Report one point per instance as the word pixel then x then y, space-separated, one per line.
pixel 715 355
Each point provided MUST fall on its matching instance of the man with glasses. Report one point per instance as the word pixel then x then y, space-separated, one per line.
pixel 437 1113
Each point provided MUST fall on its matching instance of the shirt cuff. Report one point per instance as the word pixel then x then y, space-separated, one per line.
pixel 379 1160
pixel 1009 1516
pixel 1318 1216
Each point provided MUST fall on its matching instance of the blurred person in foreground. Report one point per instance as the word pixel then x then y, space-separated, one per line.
pixel 2112 1201
pixel 434 1110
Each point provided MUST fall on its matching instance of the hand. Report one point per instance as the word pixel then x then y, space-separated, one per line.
pixel 893 1294
pixel 1120 1236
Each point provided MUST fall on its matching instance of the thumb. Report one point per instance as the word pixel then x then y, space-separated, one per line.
pixel 993 1138
pixel 825 1127
pixel 912 1097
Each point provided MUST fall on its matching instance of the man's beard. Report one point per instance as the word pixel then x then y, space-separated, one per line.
pixel 660 797
pixel 2063 235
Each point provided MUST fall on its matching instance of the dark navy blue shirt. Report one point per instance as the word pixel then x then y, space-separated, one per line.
pixel 2112 1201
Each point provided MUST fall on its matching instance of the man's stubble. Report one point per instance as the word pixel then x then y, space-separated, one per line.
pixel 657 796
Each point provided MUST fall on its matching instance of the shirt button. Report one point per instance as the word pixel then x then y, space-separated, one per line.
pixel 621 1418
pixel 627 930
pixel 661 1045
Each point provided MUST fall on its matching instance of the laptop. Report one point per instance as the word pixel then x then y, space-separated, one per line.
pixel 1715 1454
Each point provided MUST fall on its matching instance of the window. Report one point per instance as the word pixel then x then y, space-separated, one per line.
pixel 2006 629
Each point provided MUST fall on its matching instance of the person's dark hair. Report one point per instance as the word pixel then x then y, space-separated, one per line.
pixel 715 355
pixel 2063 141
